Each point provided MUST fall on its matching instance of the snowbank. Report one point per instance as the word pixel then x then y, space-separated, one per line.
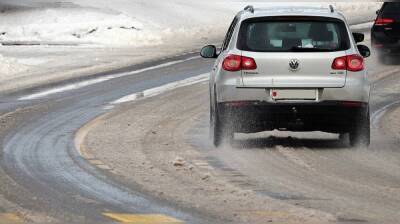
pixel 74 26
pixel 138 23
pixel 133 23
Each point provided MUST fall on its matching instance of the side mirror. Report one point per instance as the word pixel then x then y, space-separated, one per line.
pixel 364 51
pixel 209 51
pixel 358 37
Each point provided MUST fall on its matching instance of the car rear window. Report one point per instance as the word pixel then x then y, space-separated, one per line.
pixel 293 34
pixel 391 8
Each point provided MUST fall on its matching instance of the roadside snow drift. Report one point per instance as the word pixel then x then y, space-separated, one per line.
pixel 73 26
pixel 135 23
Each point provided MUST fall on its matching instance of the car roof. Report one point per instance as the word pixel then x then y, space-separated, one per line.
pixel 251 12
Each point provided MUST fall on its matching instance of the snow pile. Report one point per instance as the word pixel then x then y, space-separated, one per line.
pixel 138 23
pixel 73 25
pixel 127 23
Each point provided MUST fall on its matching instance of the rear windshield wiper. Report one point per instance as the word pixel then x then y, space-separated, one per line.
pixel 309 49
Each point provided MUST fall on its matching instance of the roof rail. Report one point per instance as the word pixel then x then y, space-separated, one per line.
pixel 249 8
pixel 331 8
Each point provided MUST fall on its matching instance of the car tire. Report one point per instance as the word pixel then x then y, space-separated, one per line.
pixel 215 128
pixel 219 128
pixel 360 135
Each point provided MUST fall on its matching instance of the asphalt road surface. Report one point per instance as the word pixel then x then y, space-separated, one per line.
pixel 43 174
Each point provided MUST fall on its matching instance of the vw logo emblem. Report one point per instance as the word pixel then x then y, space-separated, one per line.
pixel 294 64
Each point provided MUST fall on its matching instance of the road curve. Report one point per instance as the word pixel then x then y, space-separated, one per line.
pixel 40 160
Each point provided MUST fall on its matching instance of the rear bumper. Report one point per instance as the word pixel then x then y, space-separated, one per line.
pixel 356 89
pixel 256 116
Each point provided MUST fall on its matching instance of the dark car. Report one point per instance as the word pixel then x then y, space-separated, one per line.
pixel 385 35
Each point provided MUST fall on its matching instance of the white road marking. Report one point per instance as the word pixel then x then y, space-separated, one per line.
pixel 64 88
pixel 164 88
pixel 82 84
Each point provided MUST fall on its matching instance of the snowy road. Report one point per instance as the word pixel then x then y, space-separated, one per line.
pixel 39 154
pixel 44 178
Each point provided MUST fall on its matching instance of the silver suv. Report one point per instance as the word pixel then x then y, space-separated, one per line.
pixel 292 69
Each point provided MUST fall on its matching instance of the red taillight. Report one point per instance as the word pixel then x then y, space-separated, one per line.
pixel 248 63
pixel 383 21
pixel 340 63
pixel 234 63
pixel 353 63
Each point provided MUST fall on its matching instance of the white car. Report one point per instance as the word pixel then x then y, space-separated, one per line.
pixel 294 69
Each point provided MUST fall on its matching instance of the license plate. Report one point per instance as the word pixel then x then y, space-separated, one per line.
pixel 294 94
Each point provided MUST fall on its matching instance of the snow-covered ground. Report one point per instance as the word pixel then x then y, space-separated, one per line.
pixel 134 23
pixel 101 33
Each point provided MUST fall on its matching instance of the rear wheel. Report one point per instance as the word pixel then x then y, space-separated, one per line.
pixel 219 127
pixel 215 129
pixel 360 135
